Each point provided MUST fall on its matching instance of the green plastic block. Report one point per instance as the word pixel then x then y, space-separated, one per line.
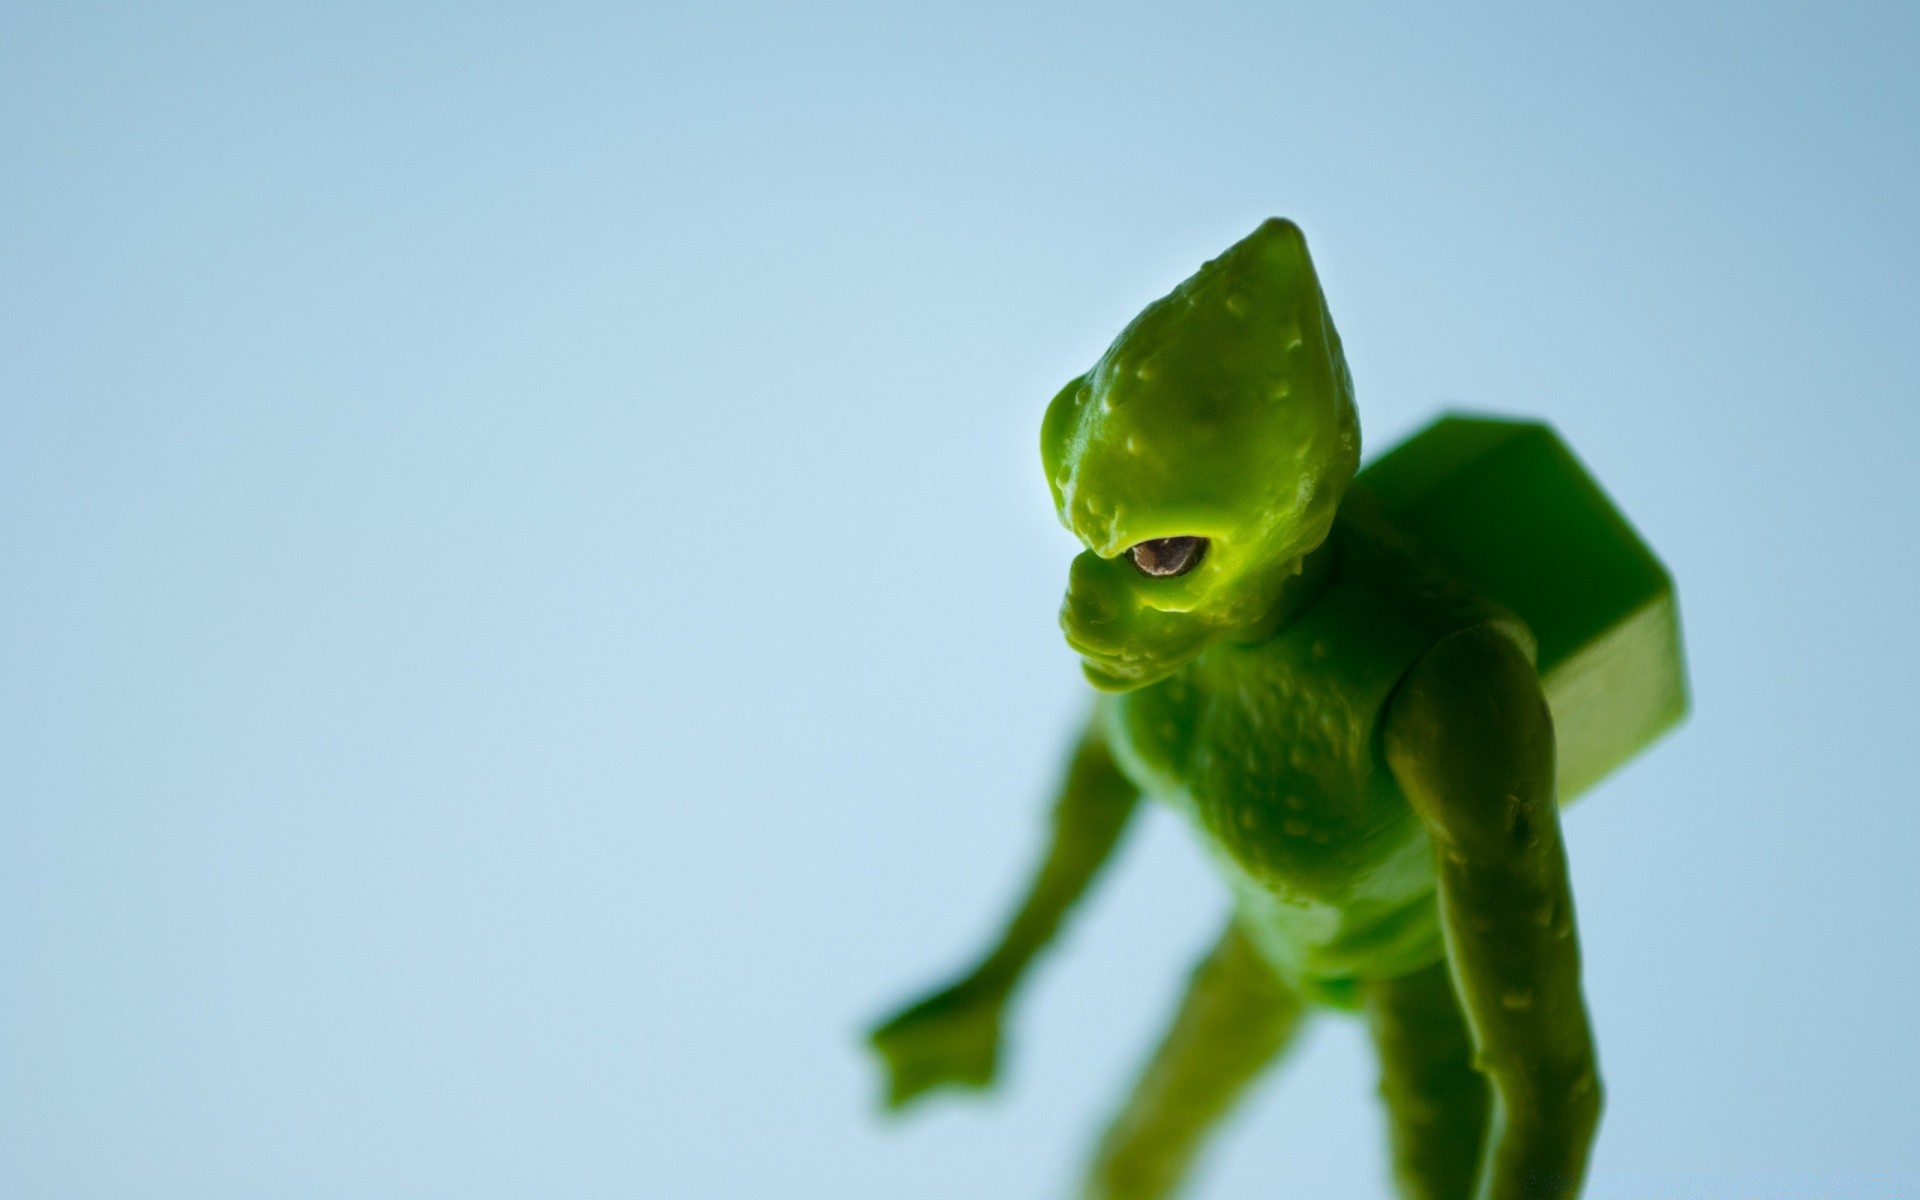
pixel 1506 507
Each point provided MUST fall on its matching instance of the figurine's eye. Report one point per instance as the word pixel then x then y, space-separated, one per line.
pixel 1166 557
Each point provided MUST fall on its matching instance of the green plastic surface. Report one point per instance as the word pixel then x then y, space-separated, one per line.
pixel 1367 698
pixel 1504 507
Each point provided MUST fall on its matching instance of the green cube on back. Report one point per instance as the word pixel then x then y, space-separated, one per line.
pixel 1506 508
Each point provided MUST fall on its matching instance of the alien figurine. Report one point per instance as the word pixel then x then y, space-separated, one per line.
pixel 1368 694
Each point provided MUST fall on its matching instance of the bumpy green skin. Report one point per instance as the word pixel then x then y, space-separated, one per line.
pixel 1224 411
pixel 1367 754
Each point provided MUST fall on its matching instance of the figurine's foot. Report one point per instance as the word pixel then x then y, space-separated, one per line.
pixel 951 1039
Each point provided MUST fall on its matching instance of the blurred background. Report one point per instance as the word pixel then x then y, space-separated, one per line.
pixel 527 593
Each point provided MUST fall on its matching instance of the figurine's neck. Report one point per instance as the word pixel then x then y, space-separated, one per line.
pixel 1312 574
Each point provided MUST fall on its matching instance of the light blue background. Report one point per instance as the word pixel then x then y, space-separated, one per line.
pixel 527 590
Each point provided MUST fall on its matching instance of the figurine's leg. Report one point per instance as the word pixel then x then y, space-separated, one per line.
pixel 1437 1103
pixel 1236 1019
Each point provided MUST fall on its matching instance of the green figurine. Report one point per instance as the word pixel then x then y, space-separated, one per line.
pixel 1369 694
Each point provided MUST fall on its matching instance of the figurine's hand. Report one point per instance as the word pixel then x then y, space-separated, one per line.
pixel 949 1039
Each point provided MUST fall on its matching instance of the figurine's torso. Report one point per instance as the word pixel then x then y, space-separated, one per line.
pixel 1272 751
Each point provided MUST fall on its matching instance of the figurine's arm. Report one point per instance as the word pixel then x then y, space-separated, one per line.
pixel 953 1036
pixel 1470 739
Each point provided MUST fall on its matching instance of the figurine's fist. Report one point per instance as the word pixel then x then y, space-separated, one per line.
pixel 949 1039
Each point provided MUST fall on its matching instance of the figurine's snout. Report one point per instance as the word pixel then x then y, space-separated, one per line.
pixel 1094 614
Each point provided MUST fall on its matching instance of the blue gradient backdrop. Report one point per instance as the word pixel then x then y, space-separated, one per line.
pixel 527 599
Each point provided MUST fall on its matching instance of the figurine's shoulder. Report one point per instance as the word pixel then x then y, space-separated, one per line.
pixel 1511 522
pixel 1382 567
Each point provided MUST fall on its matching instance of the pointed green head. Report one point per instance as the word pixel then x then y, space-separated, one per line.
pixel 1200 459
